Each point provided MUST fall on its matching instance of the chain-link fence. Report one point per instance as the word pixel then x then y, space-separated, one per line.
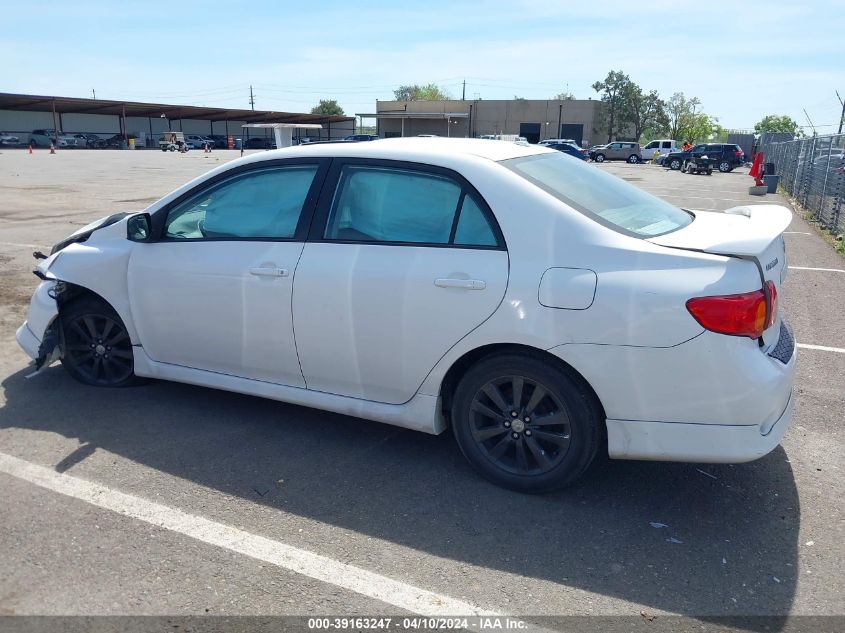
pixel 812 171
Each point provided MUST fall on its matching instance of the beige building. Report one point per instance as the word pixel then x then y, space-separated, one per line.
pixel 536 120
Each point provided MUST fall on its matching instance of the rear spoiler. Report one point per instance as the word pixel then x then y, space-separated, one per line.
pixel 746 231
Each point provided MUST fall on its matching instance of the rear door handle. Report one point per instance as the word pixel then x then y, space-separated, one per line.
pixel 269 272
pixel 466 284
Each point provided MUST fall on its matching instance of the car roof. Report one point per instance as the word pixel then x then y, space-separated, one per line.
pixel 411 148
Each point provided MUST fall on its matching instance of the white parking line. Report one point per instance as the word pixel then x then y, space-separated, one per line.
pixel 796 233
pixel 822 348
pixel 21 245
pixel 322 568
pixel 824 270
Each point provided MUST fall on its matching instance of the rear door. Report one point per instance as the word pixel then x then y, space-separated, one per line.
pixel 403 260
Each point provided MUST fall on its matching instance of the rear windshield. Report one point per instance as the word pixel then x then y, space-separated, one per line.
pixel 607 199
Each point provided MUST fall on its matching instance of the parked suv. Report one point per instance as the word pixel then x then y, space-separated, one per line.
pixel 617 150
pixel 727 156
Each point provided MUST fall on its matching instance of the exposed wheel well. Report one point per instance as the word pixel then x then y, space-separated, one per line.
pixel 67 292
pixel 462 365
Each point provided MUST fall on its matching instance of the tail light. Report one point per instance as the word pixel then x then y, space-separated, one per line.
pixel 738 154
pixel 748 314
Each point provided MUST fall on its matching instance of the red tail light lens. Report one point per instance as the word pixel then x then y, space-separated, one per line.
pixel 737 315
pixel 773 304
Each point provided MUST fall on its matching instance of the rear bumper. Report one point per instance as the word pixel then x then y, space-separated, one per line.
pixel 705 443
pixel 715 398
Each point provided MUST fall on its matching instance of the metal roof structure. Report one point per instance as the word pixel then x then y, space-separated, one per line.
pixel 414 115
pixel 76 105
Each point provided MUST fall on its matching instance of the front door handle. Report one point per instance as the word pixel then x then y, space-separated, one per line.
pixel 466 284
pixel 269 272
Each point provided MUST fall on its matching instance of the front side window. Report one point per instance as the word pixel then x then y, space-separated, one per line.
pixel 384 204
pixel 607 199
pixel 265 203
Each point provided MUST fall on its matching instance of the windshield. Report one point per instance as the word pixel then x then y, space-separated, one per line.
pixel 607 199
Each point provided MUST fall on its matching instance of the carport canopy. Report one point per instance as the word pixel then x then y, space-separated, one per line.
pixel 75 105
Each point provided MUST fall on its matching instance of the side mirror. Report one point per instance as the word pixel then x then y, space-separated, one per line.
pixel 139 228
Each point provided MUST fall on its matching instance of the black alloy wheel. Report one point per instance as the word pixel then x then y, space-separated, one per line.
pixel 97 349
pixel 525 424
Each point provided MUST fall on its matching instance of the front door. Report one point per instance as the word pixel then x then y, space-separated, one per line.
pixel 214 293
pixel 403 261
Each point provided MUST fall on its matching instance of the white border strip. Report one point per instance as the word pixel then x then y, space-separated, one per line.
pixel 822 348
pixel 322 568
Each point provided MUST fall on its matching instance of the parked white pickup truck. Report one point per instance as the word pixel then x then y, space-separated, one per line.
pixel 661 146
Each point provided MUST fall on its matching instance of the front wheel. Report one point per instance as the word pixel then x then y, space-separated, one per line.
pixel 97 349
pixel 599 158
pixel 524 424
pixel 675 164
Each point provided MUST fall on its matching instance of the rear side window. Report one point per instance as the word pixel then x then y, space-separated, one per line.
pixel 607 199
pixel 265 203
pixel 667 145
pixel 393 205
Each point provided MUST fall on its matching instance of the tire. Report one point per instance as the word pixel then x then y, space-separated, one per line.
pixel 536 455
pixel 96 347
pixel 599 158
pixel 725 167
pixel 675 164
pixel 709 172
pixel 633 159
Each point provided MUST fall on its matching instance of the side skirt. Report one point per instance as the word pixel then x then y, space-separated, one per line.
pixel 421 413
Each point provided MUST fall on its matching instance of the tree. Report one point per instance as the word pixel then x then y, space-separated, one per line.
pixel 698 128
pixel 613 94
pixel 515 98
pixel 428 92
pixel 680 113
pixel 564 96
pixel 327 106
pixel 644 111
pixel 775 123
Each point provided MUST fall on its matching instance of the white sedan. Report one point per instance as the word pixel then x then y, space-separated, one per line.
pixel 542 308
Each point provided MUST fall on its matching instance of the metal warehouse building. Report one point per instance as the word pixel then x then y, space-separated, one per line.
pixel 21 114
pixel 536 120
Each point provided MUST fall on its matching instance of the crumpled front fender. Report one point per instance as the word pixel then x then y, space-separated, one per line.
pixel 38 333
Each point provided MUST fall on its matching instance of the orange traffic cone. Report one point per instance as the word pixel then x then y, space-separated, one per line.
pixel 52 148
pixel 30 149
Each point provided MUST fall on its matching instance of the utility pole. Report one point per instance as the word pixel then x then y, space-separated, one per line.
pixel 842 115
pixel 251 99
pixel 809 121
pixel 464 91
pixel 94 92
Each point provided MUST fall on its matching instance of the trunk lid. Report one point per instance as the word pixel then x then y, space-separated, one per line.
pixel 749 232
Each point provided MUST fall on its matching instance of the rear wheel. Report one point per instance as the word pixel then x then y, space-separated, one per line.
pixel 725 167
pixel 97 349
pixel 599 158
pixel 675 164
pixel 524 424
pixel 633 159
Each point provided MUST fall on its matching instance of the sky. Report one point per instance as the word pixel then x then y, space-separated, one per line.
pixel 743 60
